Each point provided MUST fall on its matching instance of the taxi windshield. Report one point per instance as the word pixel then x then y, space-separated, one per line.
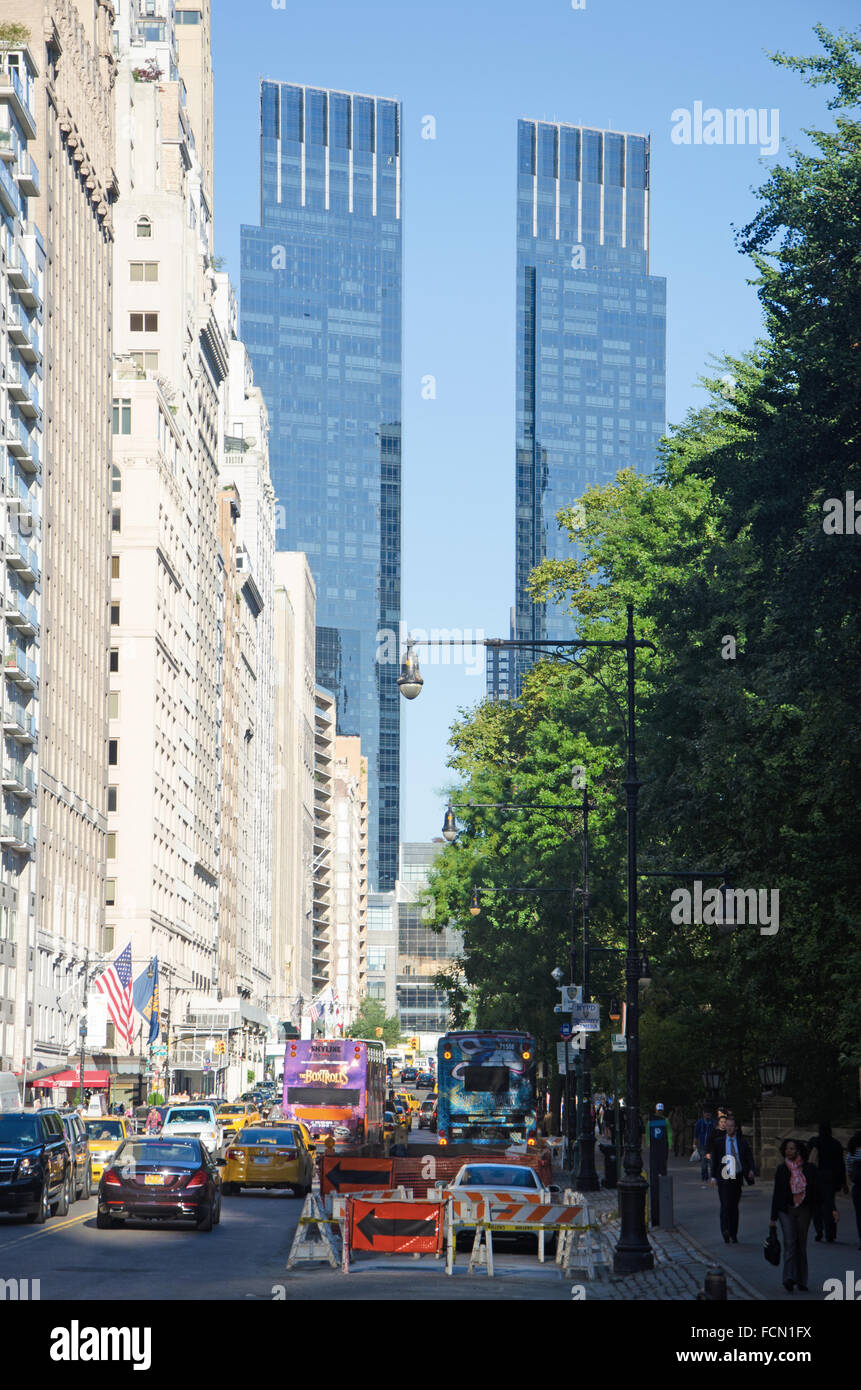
pixel 104 1129
pixel 277 1137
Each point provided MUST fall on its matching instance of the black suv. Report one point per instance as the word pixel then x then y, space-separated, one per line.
pixel 36 1172
pixel 408 1076
pixel 79 1149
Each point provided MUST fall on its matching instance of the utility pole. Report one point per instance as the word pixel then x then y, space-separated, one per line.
pixel 82 1025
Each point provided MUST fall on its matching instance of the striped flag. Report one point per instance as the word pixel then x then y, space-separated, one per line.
pixel 116 985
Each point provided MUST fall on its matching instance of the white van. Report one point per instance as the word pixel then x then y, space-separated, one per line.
pixel 10 1096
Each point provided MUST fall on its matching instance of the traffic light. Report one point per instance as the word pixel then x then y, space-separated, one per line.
pixel 414 1042
pixel 379 1032
pixel 220 1047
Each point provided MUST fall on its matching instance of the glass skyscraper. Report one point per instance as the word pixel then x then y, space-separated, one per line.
pixel 591 340
pixel 321 316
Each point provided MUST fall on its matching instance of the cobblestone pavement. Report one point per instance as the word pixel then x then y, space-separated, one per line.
pixel 680 1268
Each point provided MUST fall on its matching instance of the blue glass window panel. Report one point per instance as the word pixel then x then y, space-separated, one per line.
pixel 269 100
pixel 569 155
pixel 547 137
pixel 636 163
pixel 339 122
pixel 363 124
pixel 591 156
pixel 316 118
pixel 614 159
pixel 292 114
pixel 526 147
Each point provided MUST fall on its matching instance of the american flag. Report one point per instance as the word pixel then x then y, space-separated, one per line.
pixel 314 1012
pixel 116 985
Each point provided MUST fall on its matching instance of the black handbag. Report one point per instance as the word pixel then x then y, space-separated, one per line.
pixel 771 1249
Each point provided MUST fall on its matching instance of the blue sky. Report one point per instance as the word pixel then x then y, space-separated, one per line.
pixel 476 68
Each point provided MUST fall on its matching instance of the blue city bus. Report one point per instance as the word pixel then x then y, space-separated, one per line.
pixel 486 1085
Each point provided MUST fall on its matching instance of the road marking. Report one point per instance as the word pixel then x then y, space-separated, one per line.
pixel 46 1231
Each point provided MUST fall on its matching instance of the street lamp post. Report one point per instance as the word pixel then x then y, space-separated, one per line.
pixel 633 1252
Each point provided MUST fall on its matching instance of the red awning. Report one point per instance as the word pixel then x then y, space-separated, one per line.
pixel 96 1080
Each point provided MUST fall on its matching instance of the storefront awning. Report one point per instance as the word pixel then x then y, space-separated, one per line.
pixel 96 1080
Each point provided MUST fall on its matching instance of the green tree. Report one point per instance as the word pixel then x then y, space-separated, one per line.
pixel 371 1016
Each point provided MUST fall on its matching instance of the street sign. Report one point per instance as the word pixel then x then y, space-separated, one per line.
pixel 620 1042
pixel 571 996
pixel 345 1174
pixel 587 1017
pixel 565 1030
pixel 407 1228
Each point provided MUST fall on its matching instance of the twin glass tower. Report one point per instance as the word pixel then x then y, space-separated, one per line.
pixel 321 316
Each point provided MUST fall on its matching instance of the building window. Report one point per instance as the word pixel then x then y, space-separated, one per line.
pixel 145 361
pixel 115 614
pixel 113 705
pixel 111 1029
pixel 116 520
pixel 115 567
pixel 188 16
pixel 110 895
pixel 115 659
pixel 113 752
pixel 122 416
pixel 144 227
pixel 112 844
pixel 143 323
pixel 116 479
pixel 143 270
pixel 107 939
pixel 112 798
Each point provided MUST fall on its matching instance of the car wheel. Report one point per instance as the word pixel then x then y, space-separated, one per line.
pixel 105 1222
pixel 205 1223
pixel 87 1189
pixel 216 1219
pixel 43 1211
pixel 64 1201
pixel 229 1189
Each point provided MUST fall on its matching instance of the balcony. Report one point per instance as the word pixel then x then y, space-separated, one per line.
pixel 12 90
pixel 20 612
pixel 18 722
pixel 15 834
pixel 27 174
pixel 21 557
pixel 9 195
pixel 22 444
pixel 8 145
pixel 20 668
pixel 24 335
pixel 18 779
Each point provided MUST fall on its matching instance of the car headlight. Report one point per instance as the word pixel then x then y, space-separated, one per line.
pixel 26 1165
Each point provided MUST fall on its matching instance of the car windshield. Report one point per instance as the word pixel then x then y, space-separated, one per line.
pixel 192 1116
pixel 231 1110
pixel 278 1137
pixel 496 1175
pixel 104 1129
pixel 428 1104
pixel 159 1152
pixel 18 1130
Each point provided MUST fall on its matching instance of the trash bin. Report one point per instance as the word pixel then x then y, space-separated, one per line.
pixel 611 1173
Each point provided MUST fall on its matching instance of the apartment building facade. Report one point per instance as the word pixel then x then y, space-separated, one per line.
pixel 350 906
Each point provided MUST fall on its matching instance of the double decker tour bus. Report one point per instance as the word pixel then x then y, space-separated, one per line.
pixel 486 1084
pixel 337 1087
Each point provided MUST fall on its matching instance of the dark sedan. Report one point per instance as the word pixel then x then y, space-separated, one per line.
pixel 160 1180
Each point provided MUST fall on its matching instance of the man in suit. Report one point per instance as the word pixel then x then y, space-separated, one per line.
pixel 731 1165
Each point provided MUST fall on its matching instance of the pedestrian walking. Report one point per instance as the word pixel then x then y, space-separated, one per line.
pixel 731 1166
pixel 827 1153
pixel 702 1136
pixel 797 1194
pixel 853 1172
pixel 677 1129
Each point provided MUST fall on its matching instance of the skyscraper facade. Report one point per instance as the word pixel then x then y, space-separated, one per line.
pixel 591 335
pixel 321 317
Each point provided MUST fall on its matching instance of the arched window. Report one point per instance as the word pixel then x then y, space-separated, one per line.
pixel 144 227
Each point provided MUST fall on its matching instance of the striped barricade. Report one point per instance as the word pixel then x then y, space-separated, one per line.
pixel 521 1216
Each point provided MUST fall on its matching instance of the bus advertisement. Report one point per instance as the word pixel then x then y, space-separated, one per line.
pixel 337 1087
pixel 486 1084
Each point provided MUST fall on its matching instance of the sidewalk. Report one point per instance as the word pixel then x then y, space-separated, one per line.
pixel 681 1264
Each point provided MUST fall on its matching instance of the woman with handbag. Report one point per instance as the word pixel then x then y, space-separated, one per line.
pixel 796 1195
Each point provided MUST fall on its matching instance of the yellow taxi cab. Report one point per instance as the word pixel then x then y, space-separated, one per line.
pixel 303 1129
pixel 395 1131
pixel 409 1101
pixel 236 1116
pixel 104 1136
pixel 264 1155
